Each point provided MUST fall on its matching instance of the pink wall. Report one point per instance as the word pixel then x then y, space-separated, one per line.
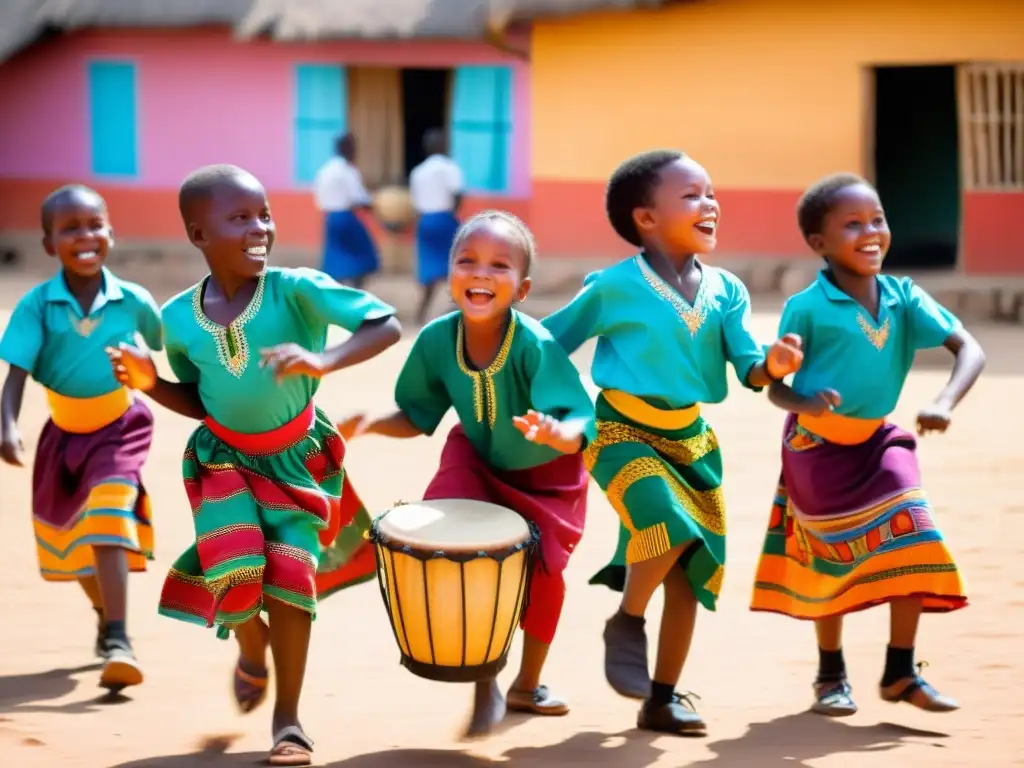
pixel 203 98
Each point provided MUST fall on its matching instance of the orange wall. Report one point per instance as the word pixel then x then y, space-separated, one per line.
pixel 768 96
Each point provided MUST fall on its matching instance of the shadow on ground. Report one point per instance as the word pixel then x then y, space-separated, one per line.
pixel 790 741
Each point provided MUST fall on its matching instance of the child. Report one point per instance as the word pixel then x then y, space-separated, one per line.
pixel 666 326
pixel 436 189
pixel 90 511
pixel 507 380
pixel 850 527
pixel 350 254
pixel 264 471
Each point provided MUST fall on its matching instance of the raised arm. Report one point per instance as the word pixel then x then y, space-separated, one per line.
pixel 578 320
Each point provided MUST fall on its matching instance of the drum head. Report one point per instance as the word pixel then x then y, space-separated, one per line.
pixel 454 525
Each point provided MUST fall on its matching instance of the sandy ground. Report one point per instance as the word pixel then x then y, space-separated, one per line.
pixel 365 711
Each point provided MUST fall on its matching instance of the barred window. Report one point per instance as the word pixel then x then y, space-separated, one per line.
pixel 991 105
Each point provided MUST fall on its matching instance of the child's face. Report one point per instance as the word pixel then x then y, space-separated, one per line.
pixel 854 234
pixel 235 229
pixel 80 234
pixel 488 272
pixel 683 216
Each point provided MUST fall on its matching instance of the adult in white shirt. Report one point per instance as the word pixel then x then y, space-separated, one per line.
pixel 435 186
pixel 350 254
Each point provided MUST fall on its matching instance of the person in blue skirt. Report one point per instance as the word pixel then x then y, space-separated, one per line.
pixel 435 186
pixel 350 255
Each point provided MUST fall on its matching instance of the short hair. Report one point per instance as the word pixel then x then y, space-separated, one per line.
pixel 631 186
pixel 816 202
pixel 523 235
pixel 199 185
pixel 59 197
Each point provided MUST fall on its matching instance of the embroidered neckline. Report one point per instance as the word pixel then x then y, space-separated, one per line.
pixel 877 336
pixel 693 316
pixel 230 340
pixel 485 401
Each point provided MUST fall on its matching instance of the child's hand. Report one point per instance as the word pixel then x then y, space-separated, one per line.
pixel 824 402
pixel 292 360
pixel 934 418
pixel 546 430
pixel 785 357
pixel 133 367
pixel 353 426
pixel 12 451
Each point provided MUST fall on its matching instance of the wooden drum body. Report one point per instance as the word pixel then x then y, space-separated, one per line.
pixel 453 574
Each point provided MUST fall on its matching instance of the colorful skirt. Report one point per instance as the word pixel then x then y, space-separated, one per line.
pixel 851 528
pixel 552 496
pixel 265 508
pixel 435 233
pixel 87 486
pixel 662 472
pixel 349 251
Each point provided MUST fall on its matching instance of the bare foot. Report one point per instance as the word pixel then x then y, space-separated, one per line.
pixel 488 709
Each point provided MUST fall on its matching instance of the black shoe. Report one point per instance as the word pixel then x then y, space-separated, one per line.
pixel 121 669
pixel 678 716
pixel 625 657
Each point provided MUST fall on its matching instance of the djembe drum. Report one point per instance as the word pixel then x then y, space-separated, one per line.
pixel 453 574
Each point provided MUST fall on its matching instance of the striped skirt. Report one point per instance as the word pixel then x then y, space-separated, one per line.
pixel 87 486
pixel 267 511
pixel 851 528
pixel 662 473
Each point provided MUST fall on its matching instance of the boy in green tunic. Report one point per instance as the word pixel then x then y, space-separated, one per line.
pixel 507 380
pixel 264 471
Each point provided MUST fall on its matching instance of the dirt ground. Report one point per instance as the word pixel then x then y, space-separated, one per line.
pixel 752 671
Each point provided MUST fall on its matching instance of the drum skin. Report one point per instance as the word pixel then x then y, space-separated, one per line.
pixel 453 576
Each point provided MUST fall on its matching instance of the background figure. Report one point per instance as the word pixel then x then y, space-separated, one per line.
pixel 350 254
pixel 435 186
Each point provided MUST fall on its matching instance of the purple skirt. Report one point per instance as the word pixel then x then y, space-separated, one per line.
pixel 851 527
pixel 87 491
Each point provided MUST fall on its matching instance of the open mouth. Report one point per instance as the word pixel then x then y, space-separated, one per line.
pixel 479 297
pixel 87 257
pixel 257 251
pixel 707 227
pixel 870 249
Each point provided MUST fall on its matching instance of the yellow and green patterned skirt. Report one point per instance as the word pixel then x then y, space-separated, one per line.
pixel 662 473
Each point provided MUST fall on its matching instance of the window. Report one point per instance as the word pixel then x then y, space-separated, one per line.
pixel 481 126
pixel 991 108
pixel 321 113
pixel 113 118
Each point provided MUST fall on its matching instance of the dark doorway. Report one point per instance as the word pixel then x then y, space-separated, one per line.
pixel 917 164
pixel 424 106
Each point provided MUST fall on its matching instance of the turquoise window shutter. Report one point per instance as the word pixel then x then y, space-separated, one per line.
pixel 321 113
pixel 481 127
pixel 113 118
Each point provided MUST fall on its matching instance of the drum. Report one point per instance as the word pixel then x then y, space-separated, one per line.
pixel 454 575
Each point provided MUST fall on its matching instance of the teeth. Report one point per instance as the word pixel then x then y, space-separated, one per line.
pixel 86 255
pixel 257 250
pixel 708 224
pixel 480 292
pixel 873 248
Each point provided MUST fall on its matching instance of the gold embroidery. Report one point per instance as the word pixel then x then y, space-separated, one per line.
pixel 232 345
pixel 877 337
pixel 86 325
pixel 706 508
pixel 714 584
pixel 694 316
pixel 483 381
pixel 686 451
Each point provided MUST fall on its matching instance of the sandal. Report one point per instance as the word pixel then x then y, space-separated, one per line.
pixel 291 747
pixel 834 698
pixel 249 686
pixel 916 692
pixel 539 701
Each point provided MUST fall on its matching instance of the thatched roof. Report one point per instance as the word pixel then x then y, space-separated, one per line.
pixel 23 21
